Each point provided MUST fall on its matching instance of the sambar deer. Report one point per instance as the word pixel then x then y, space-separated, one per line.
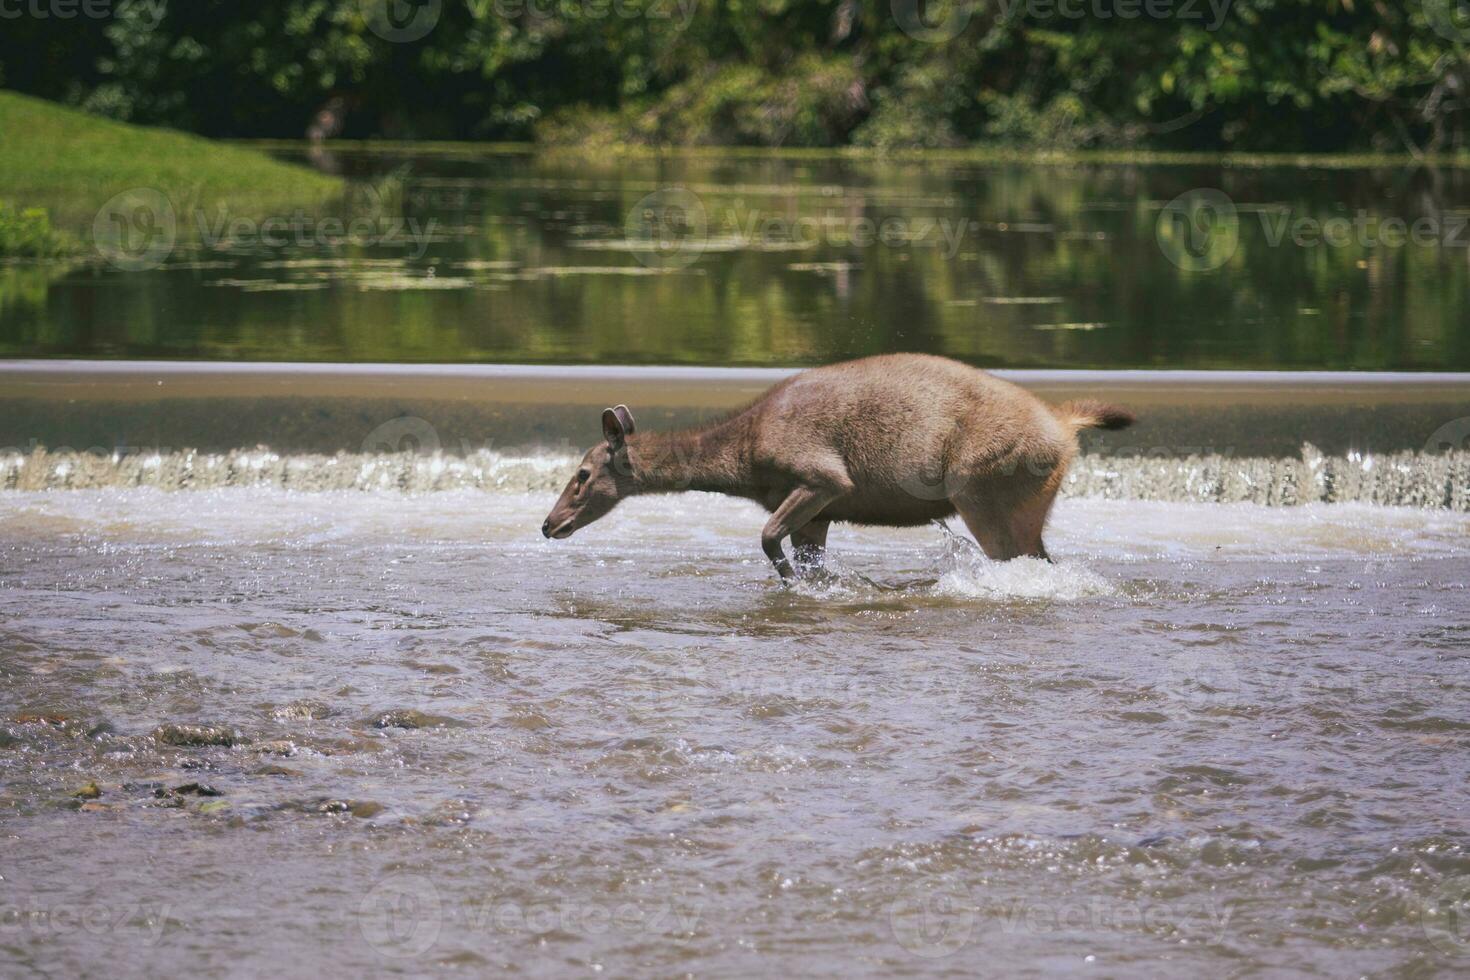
pixel 897 440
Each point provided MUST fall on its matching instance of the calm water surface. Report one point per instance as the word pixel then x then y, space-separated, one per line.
pixel 1219 739
pixel 768 260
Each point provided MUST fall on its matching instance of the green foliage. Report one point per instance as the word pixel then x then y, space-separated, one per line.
pixel 27 233
pixel 814 103
pixel 1338 75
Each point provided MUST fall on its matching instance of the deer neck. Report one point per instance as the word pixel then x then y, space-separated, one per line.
pixel 713 458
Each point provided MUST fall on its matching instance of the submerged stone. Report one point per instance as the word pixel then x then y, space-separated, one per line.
pixel 304 710
pixel 413 719
pixel 194 736
pixel 41 718
pixel 196 789
pixel 277 747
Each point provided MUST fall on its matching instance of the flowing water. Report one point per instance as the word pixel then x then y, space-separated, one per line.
pixel 1412 479
pixel 250 729
pixel 274 700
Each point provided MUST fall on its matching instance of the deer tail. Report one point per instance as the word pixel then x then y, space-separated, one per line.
pixel 1089 414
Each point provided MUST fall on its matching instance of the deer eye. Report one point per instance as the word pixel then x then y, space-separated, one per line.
pixel 583 476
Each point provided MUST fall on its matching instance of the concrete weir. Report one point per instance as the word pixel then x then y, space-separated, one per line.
pixel 1273 438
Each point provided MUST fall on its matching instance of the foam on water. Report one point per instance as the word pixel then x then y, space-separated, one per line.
pixel 667 531
pixel 1409 479
pixel 1024 578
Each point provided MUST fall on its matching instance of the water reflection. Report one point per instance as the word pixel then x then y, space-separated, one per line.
pixel 695 258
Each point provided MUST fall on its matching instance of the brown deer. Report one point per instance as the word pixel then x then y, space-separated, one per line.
pixel 897 440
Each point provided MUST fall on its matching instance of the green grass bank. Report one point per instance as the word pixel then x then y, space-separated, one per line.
pixel 58 166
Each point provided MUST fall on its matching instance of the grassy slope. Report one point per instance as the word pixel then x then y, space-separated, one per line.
pixel 70 163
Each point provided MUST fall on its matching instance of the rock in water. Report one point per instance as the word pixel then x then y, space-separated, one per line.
pixel 194 736
pixel 413 719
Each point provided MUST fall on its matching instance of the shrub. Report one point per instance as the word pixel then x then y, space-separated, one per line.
pixel 27 233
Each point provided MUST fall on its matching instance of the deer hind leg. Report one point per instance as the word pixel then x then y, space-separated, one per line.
pixel 809 546
pixel 1028 518
pixel 1007 515
pixel 990 525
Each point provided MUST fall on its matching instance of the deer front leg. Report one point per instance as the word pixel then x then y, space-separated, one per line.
pixel 799 508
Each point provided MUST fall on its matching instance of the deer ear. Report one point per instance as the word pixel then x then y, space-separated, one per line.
pixel 612 429
pixel 625 417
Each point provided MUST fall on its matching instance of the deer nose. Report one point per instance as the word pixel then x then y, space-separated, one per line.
pixel 546 528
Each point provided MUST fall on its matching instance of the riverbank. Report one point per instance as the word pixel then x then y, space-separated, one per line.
pixel 71 163
pixel 986 155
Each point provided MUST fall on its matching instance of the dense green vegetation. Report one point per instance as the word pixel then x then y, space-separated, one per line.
pixel 27 233
pixel 1254 75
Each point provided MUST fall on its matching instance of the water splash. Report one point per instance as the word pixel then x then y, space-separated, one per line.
pixel 406 472
pixel 1405 479
pixel 966 573
pixel 1024 578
